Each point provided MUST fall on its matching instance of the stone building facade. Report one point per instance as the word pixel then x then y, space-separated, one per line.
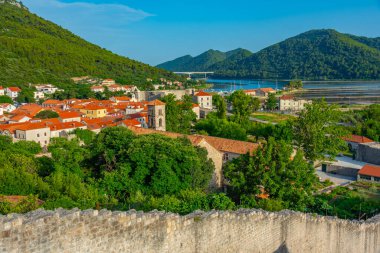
pixel 156 115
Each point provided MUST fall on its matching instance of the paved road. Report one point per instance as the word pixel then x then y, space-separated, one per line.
pixel 338 180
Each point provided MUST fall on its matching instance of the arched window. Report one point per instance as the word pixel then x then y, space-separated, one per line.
pixel 160 122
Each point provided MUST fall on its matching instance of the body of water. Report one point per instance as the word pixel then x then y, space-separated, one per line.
pixel 334 92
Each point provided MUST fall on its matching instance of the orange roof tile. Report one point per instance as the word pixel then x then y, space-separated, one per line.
pixel 267 89
pixel 155 102
pixel 357 139
pixel 69 115
pixel 370 170
pixel 221 144
pixel 131 122
pixel 203 94
pixel 30 110
pixel 14 89
pixel 287 97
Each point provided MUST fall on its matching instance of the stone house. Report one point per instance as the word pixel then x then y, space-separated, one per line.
pixel 99 89
pixel 37 132
pixel 368 152
pixel 353 141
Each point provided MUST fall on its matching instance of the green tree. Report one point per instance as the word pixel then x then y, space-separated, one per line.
pixel 220 103
pixel 272 171
pixel 179 114
pixel 47 114
pixel 271 102
pixel 6 100
pixel 317 132
pixel 221 128
pixel 243 106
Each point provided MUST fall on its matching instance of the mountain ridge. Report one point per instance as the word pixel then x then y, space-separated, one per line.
pixel 321 54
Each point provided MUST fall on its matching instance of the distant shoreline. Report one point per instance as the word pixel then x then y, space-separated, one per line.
pixel 304 81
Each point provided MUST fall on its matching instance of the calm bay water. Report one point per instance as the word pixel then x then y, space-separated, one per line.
pixel 333 92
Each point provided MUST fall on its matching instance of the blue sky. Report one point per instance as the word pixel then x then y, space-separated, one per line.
pixel 154 31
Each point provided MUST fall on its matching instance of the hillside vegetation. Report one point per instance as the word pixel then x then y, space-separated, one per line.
pixel 204 61
pixel 34 50
pixel 313 55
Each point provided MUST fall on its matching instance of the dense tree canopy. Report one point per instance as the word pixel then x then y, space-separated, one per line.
pixel 243 106
pixel 289 182
pixel 179 114
pixel 317 132
pixel 47 114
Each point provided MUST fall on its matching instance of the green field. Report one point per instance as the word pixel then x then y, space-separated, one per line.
pixel 272 117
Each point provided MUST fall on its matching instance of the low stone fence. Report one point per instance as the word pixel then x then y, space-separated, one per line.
pixel 216 231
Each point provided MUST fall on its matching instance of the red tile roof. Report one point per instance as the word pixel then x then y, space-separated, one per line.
pixel 203 94
pixel 357 139
pixel 221 144
pixel 69 115
pixel 66 125
pixel 370 170
pixel 131 122
pixel 30 110
pixel 14 89
pixel 156 102
pixel 267 89
pixel 53 102
pixel 287 97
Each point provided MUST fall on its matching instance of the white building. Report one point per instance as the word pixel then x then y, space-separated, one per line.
pixel 2 91
pixel 46 88
pixel 12 92
pixel 7 107
pixel 108 82
pixel 290 103
pixel 204 100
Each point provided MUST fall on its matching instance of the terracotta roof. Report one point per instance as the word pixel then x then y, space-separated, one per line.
pixel 203 94
pixel 131 122
pixel 249 91
pixel 1 88
pixel 221 144
pixel 267 89
pixel 370 170
pixel 287 97
pixel 14 89
pixel 66 125
pixel 124 98
pixel 232 146
pixel 156 102
pixel 69 115
pixel 94 107
pixel 31 126
pixel 53 102
pixel 30 110
pixel 357 139
pixel 19 117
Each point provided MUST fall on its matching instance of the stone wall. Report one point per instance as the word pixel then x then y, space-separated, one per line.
pixel 369 153
pixel 241 231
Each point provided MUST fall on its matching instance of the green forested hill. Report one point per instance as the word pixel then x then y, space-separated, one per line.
pixel 204 61
pixel 313 55
pixel 33 50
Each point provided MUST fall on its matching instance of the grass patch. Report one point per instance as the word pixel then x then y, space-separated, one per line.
pixel 272 117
